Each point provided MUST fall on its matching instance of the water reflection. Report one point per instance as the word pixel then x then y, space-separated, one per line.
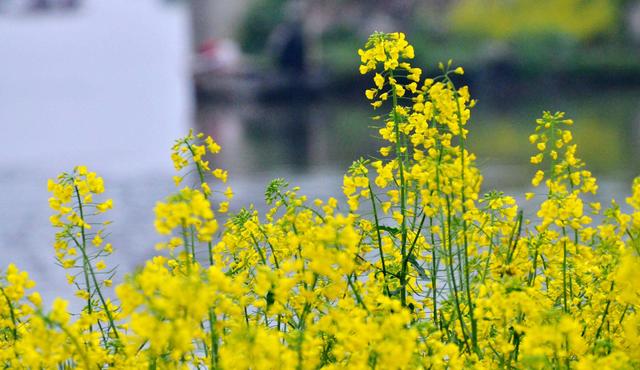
pixel 299 137
pixel 259 138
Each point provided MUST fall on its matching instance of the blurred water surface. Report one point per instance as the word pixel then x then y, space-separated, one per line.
pixel 109 86
pixel 106 86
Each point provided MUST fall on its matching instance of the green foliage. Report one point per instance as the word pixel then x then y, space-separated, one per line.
pixel 261 20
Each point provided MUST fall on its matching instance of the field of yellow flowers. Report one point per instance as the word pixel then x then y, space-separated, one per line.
pixel 416 270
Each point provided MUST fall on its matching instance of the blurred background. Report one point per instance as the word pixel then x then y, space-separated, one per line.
pixel 111 83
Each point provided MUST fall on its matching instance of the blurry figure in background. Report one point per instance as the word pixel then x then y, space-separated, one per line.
pixel 287 43
pixel 221 72
pixel 289 47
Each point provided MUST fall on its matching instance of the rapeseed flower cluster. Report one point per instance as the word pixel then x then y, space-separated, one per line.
pixel 416 269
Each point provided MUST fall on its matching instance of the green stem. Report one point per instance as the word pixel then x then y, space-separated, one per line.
pixel 376 219
pixel 14 321
pixel 487 263
pixel 356 293
pixel 193 244
pixel 552 147
pixel 257 248
pixel 405 260
pixel 214 340
pixel 112 324
pixel 564 270
pixel 434 273
pixel 273 251
pixel 467 273
pixel 202 181
pixel 448 239
pixel 185 238
pixel 88 267
pixel 82 247
pixel 606 312
pixel 534 268
pixel 403 195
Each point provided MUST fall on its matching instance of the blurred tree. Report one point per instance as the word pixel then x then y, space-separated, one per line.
pixel 261 19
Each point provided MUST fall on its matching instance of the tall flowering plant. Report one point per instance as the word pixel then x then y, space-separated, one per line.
pixel 413 268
